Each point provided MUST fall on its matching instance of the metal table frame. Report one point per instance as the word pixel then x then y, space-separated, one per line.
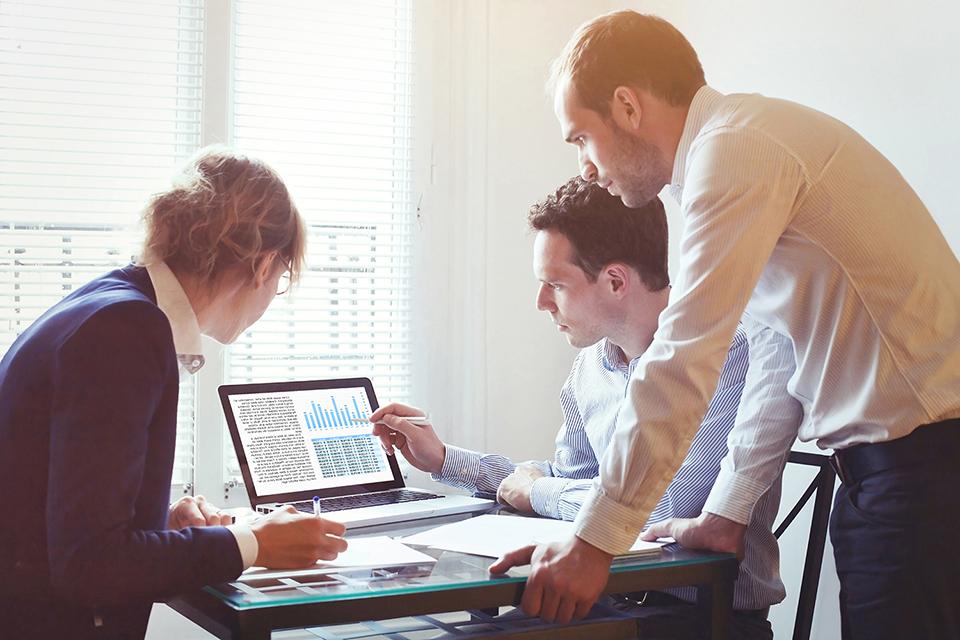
pixel 713 579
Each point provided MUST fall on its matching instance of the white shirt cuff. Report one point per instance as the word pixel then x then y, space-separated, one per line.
pixel 733 496
pixel 607 524
pixel 246 542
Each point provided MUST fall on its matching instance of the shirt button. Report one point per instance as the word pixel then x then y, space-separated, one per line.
pixel 195 363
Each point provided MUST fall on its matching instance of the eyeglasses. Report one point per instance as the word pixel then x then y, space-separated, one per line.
pixel 283 284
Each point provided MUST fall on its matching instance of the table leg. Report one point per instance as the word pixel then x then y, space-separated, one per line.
pixel 716 603
pixel 250 631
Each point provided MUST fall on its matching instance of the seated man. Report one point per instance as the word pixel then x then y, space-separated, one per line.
pixel 603 274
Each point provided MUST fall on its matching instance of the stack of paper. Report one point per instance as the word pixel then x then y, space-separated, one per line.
pixel 379 551
pixel 493 535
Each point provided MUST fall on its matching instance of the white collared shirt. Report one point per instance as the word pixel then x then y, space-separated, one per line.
pixel 793 218
pixel 173 301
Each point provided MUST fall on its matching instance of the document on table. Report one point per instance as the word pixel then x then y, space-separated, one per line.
pixel 379 551
pixel 493 535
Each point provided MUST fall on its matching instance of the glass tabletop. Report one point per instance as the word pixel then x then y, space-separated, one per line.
pixel 452 570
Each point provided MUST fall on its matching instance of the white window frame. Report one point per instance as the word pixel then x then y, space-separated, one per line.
pixel 214 128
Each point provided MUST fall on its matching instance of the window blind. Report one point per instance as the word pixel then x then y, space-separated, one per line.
pixel 324 92
pixel 98 103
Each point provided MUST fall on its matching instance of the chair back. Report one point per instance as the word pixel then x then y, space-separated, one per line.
pixel 822 485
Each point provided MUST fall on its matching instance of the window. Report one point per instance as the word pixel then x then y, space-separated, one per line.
pixel 99 104
pixel 325 95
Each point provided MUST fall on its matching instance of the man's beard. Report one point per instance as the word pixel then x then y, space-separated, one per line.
pixel 642 170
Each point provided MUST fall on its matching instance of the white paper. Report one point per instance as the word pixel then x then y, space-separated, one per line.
pixel 378 551
pixel 493 535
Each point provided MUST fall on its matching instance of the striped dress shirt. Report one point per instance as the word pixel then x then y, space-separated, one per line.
pixel 792 220
pixel 590 399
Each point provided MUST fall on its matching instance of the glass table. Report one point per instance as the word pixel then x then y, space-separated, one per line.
pixel 252 609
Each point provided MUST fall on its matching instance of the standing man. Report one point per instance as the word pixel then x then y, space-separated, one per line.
pixel 792 217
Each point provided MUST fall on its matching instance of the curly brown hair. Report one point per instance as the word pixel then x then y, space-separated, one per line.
pixel 225 210
pixel 603 230
pixel 626 48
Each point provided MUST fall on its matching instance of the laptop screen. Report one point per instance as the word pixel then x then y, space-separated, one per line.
pixel 298 439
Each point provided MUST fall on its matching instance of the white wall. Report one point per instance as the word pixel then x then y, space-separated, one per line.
pixel 888 70
pixel 492 364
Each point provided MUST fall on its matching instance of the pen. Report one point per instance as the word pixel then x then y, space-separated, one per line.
pixel 316 506
pixel 414 420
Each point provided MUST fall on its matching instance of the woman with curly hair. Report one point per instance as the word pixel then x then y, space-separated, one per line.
pixel 88 415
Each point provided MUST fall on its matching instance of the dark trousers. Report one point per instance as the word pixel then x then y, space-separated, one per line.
pixel 896 536
pixel 662 616
pixel 56 620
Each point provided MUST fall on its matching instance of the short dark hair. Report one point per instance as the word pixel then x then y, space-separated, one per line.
pixel 603 230
pixel 626 48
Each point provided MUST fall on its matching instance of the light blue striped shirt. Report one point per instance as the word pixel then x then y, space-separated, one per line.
pixel 590 399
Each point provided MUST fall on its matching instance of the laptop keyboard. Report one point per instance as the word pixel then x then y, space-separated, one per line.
pixel 342 503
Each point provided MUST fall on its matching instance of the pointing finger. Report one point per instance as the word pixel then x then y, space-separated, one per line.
pixel 383 432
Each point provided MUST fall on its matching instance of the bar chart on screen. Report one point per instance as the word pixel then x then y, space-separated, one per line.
pixel 337 413
pixel 341 440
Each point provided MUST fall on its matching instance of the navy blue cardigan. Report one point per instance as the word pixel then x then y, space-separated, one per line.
pixel 88 421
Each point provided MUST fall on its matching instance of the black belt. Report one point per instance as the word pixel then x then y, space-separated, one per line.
pixel 927 441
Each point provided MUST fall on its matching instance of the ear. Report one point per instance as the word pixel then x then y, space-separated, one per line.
pixel 626 108
pixel 617 278
pixel 264 268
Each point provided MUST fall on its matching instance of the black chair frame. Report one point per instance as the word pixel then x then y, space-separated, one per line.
pixel 822 484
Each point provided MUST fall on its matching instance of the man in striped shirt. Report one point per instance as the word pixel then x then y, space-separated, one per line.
pixel 603 279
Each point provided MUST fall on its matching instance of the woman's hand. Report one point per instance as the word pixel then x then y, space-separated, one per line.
pixel 195 511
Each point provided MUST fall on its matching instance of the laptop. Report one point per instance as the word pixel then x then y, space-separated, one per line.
pixel 297 440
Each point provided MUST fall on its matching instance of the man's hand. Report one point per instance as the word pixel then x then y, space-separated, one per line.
pixel 566 579
pixel 288 539
pixel 419 445
pixel 195 511
pixel 706 531
pixel 515 489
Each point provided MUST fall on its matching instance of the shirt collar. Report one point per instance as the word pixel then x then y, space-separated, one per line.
pixel 704 104
pixel 173 301
pixel 613 356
